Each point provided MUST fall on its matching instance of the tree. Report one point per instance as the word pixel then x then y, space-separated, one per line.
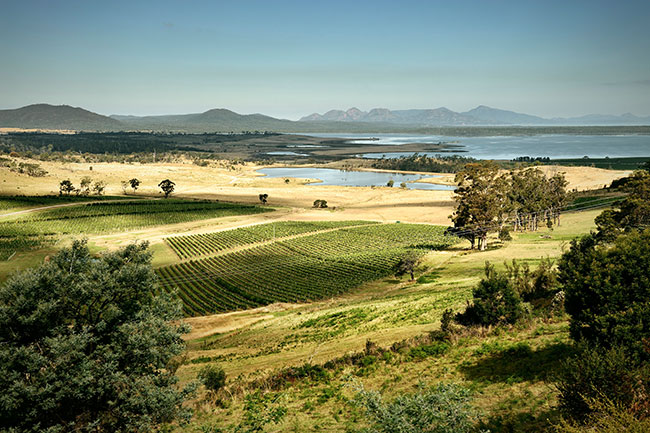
pixel 320 204
pixel 263 198
pixel 84 187
pixel 495 301
pixel 86 344
pixel 607 291
pixel 99 187
pixel 135 183
pixel 66 187
pixel 390 183
pixel 407 264
pixel 534 198
pixel 167 187
pixel 629 214
pixel 482 201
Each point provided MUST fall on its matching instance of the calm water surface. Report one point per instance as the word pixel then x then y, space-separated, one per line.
pixel 509 147
pixel 330 176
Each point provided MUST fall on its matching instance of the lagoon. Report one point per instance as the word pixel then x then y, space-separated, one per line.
pixel 330 176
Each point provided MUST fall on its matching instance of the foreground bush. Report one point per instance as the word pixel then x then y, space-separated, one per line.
pixel 596 377
pixel 439 409
pixel 608 418
pixel 607 291
pixel 213 377
pixel 495 301
pixel 86 345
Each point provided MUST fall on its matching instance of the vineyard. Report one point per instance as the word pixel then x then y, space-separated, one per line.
pixel 21 202
pixel 191 246
pixel 299 269
pixel 41 228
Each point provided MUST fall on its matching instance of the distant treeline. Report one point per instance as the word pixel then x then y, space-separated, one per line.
pixel 116 142
pixel 418 162
pixel 626 163
pixel 493 131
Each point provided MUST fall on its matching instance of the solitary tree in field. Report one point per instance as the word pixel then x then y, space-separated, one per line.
pixel 263 198
pixel 66 187
pixel 135 183
pixel 407 264
pixel 87 345
pixel 167 187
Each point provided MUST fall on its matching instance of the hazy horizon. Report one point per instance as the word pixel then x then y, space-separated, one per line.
pixel 289 59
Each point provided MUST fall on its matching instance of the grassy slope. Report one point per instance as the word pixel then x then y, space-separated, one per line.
pixel 509 384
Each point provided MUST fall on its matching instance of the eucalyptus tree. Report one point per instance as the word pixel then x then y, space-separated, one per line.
pixel 482 201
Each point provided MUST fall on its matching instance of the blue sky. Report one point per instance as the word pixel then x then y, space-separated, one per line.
pixel 292 58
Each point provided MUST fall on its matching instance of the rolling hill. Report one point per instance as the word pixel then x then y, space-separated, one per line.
pixel 45 116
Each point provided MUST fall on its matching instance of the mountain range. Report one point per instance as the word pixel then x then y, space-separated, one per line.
pixel 479 116
pixel 45 116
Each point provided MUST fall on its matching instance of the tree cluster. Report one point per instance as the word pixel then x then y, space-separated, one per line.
pixel 419 162
pixel 489 200
pixel 86 185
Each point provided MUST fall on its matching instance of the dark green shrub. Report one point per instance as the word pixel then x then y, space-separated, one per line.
pixel 607 291
pixel 213 377
pixel 533 285
pixel 494 301
pixel 601 376
pixel 435 349
pixel 446 322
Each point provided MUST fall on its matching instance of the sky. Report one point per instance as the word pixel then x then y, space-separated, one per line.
pixel 292 58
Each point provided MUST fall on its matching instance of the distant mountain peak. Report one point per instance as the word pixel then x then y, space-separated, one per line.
pixel 47 116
